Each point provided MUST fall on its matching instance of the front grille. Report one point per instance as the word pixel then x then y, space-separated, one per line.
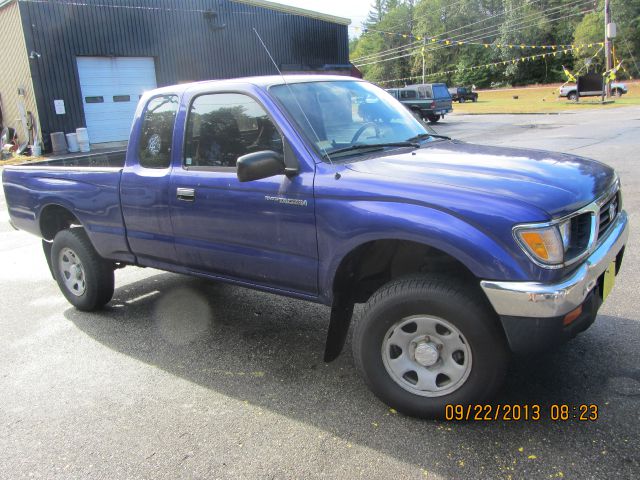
pixel 580 235
pixel 608 213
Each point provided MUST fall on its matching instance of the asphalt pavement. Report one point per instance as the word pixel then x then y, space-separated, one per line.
pixel 182 378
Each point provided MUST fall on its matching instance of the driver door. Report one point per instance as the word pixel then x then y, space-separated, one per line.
pixel 262 232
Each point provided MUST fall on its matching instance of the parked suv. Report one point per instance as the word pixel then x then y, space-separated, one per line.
pixel 427 101
pixel 462 94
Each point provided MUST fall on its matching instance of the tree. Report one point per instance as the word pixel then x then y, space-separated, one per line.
pixel 440 25
pixel 589 31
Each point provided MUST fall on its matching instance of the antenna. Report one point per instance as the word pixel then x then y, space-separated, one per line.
pixel 324 151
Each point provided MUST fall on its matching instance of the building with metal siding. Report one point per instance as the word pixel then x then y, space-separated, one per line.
pixel 17 99
pixel 187 40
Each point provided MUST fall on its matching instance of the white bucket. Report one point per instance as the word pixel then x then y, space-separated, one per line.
pixel 85 147
pixel 36 150
pixel 83 135
pixel 72 142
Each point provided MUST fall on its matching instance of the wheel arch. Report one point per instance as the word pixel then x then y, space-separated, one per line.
pixel 369 265
pixel 54 218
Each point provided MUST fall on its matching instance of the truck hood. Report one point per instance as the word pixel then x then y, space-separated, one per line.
pixel 555 183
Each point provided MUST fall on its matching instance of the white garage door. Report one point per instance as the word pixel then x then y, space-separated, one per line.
pixel 111 88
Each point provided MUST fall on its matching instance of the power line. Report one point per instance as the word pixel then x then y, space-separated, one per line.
pixel 454 42
pixel 442 9
pixel 493 64
pixel 455 37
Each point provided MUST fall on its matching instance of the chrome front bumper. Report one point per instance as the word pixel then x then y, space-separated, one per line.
pixel 539 300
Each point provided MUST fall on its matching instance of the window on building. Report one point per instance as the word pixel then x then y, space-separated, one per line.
pixel 94 99
pixel 121 98
pixel 157 132
pixel 224 126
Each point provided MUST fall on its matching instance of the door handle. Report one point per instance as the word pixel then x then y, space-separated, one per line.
pixel 186 194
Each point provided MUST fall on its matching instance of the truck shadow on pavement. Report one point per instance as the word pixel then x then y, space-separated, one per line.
pixel 267 350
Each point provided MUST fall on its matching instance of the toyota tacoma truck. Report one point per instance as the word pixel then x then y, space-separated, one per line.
pixel 326 189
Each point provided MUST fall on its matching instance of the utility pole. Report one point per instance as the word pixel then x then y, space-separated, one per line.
pixel 608 36
pixel 424 43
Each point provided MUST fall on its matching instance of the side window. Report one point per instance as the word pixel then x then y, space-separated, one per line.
pixel 425 92
pixel 157 132
pixel 408 94
pixel 224 126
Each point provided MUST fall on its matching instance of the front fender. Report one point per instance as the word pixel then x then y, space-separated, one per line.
pixel 345 225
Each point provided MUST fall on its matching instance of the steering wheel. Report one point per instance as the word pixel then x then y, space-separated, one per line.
pixel 361 130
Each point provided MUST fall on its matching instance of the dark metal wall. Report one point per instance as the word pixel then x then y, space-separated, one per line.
pixel 187 42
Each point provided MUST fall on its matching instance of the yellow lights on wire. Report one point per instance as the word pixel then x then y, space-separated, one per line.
pixel 453 41
pixel 513 61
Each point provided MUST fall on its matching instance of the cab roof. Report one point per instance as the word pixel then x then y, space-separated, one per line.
pixel 261 81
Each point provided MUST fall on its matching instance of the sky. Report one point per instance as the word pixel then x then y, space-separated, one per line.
pixel 356 10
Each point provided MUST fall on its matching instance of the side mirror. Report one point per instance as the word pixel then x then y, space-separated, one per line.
pixel 257 165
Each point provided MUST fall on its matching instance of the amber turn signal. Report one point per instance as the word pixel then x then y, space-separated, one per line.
pixel 544 244
pixel 570 317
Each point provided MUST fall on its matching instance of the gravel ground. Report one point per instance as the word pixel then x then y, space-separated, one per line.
pixel 183 378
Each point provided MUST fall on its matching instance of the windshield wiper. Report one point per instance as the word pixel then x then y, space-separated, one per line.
pixel 374 146
pixel 422 136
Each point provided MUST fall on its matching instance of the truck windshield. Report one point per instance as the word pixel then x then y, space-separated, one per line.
pixel 335 115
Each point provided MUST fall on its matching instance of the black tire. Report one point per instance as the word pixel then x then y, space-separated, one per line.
pixel 616 92
pixel 433 118
pixel 97 273
pixel 462 100
pixel 572 96
pixel 475 99
pixel 434 296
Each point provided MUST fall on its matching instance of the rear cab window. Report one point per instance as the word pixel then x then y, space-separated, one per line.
pixel 440 91
pixel 154 149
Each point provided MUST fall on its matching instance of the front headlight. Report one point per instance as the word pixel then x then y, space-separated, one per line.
pixel 544 244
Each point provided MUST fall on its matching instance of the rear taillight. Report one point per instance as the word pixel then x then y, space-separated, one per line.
pixel 433 104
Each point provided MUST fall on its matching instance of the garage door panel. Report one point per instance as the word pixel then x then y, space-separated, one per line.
pixel 102 79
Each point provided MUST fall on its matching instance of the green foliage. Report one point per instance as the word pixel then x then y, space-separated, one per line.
pixel 494 22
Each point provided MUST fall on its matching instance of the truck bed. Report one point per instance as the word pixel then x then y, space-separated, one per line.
pixel 110 159
pixel 88 186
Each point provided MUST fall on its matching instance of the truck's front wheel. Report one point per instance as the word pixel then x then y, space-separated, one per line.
pixel 85 278
pixel 424 342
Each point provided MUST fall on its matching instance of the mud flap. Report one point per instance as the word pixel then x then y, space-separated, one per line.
pixel 341 314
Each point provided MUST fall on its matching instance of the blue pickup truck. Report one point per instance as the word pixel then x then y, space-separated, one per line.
pixel 327 189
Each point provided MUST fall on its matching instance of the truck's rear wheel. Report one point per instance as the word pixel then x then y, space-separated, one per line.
pixel 433 118
pixel 573 96
pixel 85 279
pixel 424 342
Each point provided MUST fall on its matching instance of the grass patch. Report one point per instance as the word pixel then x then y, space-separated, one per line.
pixel 542 99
